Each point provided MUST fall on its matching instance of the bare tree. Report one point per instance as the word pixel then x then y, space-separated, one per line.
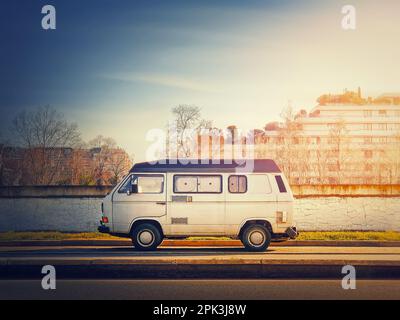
pixel 100 148
pixel 44 133
pixel 111 162
pixel 320 165
pixel 81 167
pixel 289 142
pixel 339 152
pixel 390 163
pixel 187 123
pixel 102 142
pixel 119 165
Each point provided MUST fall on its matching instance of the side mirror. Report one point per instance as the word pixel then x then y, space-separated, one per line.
pixel 132 187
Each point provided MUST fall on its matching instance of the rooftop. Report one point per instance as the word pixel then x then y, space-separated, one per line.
pixel 205 165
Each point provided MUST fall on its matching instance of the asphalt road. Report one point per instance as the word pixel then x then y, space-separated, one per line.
pixel 232 289
pixel 200 263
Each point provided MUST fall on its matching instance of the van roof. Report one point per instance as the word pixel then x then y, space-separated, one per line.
pixel 201 165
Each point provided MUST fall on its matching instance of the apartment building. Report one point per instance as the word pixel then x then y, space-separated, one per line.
pixel 345 139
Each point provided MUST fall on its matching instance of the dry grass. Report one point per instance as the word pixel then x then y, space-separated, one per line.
pixel 54 235
pixel 350 235
pixel 328 235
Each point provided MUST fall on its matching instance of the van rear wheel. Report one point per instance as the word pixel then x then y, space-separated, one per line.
pixel 146 237
pixel 256 238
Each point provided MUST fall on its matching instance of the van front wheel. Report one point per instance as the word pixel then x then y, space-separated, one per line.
pixel 256 238
pixel 146 237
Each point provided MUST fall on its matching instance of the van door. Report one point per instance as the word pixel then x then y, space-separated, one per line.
pixel 140 196
pixel 196 204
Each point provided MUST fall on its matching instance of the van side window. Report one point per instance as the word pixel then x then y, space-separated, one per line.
pixel 237 184
pixel 197 184
pixel 281 185
pixel 145 184
pixel 209 184
pixel 150 184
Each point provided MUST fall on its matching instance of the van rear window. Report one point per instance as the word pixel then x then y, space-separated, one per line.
pixel 281 184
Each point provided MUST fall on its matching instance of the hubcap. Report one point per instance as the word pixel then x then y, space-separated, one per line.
pixel 146 238
pixel 256 238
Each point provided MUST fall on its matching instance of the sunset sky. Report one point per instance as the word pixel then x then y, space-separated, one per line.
pixel 118 67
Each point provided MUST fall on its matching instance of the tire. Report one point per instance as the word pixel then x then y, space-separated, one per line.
pixel 256 238
pixel 146 237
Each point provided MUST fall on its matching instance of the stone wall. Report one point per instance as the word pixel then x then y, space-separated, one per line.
pixel 77 209
pixel 83 214
pixel 55 214
pixel 348 213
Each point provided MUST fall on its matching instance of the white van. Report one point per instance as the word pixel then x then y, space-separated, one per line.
pixel 171 199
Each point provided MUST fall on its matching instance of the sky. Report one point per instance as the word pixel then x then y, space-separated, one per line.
pixel 117 67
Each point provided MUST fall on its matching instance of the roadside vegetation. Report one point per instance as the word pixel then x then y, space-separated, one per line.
pixel 351 235
pixel 317 235
pixel 54 235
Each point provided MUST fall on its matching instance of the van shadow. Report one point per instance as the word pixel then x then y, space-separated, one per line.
pixel 128 251
pixel 194 251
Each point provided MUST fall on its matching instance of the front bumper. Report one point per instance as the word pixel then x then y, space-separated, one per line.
pixel 292 232
pixel 103 229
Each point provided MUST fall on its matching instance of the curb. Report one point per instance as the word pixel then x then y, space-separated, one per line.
pixel 196 243
pixel 121 269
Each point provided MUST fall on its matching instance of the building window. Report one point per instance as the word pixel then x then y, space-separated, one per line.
pixel 383 167
pixel 237 184
pixel 295 140
pixel 368 167
pixel 368 154
pixel 382 140
pixel 367 140
pixel 332 167
pixel 382 126
pixel 197 184
pixel 368 126
pixel 367 113
pixel 382 113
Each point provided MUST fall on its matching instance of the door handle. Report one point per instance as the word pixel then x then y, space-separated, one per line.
pixel 161 203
